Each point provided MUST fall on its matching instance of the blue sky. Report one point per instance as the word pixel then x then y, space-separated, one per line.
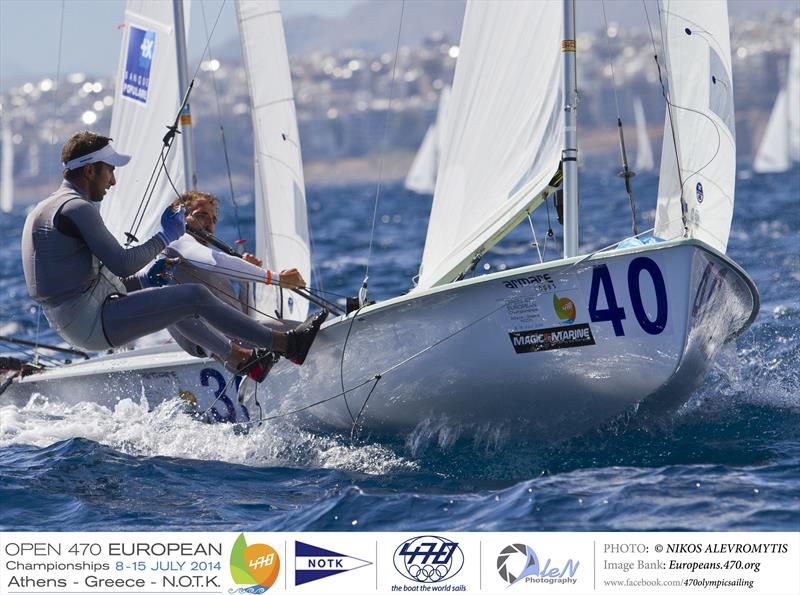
pixel 29 32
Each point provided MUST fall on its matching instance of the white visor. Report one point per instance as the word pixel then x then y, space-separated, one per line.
pixel 106 155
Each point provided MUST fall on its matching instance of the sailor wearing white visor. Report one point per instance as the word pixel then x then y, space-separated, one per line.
pixel 79 273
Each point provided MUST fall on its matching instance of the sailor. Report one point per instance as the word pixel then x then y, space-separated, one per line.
pixel 196 263
pixel 79 273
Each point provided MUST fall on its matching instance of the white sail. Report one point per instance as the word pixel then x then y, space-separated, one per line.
pixel 421 177
pixel 146 101
pixel 698 167
pixel 7 170
pixel 644 151
pixel 773 152
pixel 281 221
pixel 502 139
pixel 793 101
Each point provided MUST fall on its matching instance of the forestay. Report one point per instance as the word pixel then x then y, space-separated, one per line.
pixel 502 136
pixel 700 114
pixel 281 217
pixel 145 103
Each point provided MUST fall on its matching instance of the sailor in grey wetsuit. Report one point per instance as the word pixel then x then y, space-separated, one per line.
pixel 81 276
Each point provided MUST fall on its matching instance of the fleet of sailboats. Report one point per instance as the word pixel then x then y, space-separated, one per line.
pixel 548 349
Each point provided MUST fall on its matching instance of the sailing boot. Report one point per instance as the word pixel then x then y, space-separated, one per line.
pixel 259 364
pixel 300 338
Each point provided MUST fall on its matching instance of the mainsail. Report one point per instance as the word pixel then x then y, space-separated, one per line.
pixel 780 145
pixel 145 103
pixel 502 135
pixel 644 151
pixel 281 221
pixel 698 157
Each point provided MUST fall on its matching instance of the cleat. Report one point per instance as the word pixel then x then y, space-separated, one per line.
pixel 259 364
pixel 301 338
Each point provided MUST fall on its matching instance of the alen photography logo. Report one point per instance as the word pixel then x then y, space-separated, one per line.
pixel 256 565
pixel 428 559
pixel 519 563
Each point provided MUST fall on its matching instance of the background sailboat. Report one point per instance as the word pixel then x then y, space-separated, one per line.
pixel 644 150
pixel 780 145
pixel 421 177
pixel 6 167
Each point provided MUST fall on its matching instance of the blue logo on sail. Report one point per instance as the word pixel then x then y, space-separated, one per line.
pixel 139 59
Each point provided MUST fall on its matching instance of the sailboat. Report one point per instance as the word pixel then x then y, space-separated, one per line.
pixel 421 177
pixel 549 349
pixel 644 151
pixel 780 145
pixel 6 168
pixel 152 80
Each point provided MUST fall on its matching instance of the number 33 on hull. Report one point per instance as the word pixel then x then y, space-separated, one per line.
pixel 540 351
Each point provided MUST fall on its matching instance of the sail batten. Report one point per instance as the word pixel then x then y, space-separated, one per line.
pixel 281 220
pixel 698 157
pixel 501 134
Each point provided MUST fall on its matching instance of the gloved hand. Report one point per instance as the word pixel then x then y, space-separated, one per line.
pixel 173 224
pixel 159 274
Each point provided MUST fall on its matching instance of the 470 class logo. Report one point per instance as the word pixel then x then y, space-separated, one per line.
pixel 428 559
pixel 256 565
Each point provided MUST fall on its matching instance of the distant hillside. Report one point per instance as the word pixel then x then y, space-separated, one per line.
pixel 372 26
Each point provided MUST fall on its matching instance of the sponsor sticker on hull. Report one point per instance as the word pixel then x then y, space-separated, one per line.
pixel 559 337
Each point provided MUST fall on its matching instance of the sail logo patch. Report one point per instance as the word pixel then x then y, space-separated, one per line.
pixel 312 563
pixel 565 309
pixel 139 58
pixel 699 192
pixel 560 337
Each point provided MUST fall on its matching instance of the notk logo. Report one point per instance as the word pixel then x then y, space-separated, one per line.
pixel 428 559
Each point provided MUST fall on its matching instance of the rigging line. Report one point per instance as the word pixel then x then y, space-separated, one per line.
pixel 341 363
pixel 535 240
pixel 230 295
pixel 382 147
pixel 52 142
pixel 208 39
pixel 626 173
pixel 684 205
pixel 381 374
pixel 222 130
pixel 161 165
pixel 354 429
pixel 685 108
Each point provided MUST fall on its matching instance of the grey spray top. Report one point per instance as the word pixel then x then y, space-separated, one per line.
pixel 62 261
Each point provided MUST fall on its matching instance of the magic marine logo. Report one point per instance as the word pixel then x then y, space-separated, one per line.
pixel 256 565
pixel 545 339
pixel 519 563
pixel 428 559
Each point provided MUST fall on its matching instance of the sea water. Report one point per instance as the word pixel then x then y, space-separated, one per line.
pixel 728 460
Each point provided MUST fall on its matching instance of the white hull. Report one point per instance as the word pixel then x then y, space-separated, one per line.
pixel 448 356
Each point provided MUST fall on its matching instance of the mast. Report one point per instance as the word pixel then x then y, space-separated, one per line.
pixel 187 133
pixel 569 155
